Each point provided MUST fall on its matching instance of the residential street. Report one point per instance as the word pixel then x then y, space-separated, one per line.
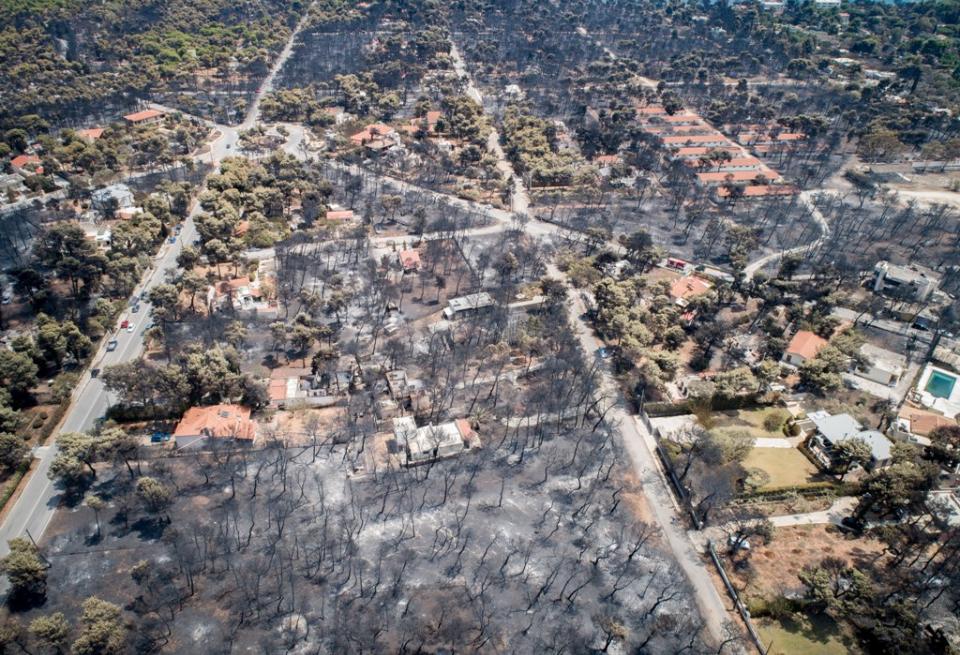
pixel 38 500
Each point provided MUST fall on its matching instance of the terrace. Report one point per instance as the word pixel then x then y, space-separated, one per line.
pixel 938 390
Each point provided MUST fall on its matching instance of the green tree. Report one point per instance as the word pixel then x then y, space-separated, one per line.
pixel 849 452
pixel 18 372
pixel 101 629
pixel 24 568
pixel 12 450
pixel 155 496
pixel 51 631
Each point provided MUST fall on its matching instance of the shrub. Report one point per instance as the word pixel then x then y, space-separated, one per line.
pixel 773 421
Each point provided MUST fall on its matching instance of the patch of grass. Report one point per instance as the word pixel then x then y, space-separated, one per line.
pixel 786 467
pixel 749 420
pixel 11 483
pixel 805 635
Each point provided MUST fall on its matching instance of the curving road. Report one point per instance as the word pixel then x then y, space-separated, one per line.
pixel 821 221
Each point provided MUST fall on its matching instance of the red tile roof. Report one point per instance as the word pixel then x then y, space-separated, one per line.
pixel 223 421
pixel 23 161
pixel 409 259
pixel 340 215
pixel 370 132
pixel 91 134
pixel 806 344
pixel 759 190
pixel 145 115
pixel 737 176
pixel 689 287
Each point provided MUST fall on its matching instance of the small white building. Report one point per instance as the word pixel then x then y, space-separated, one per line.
pixel 467 305
pixel 886 367
pixel 431 442
pixel 111 198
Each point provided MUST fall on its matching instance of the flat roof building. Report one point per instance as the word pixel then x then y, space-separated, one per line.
pixel 918 283
pixel 469 304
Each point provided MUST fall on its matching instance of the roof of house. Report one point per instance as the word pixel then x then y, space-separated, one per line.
pixel 471 301
pixel 92 133
pixel 738 176
pixel 689 287
pixel 806 344
pixel 922 423
pixel 651 110
pixel 340 215
pixel 141 116
pixel 759 190
pixel 698 138
pixel 835 427
pixel 696 151
pixel 409 258
pixel 880 446
pixel 21 161
pixel 606 159
pixel 735 161
pixel 224 421
pixel 371 132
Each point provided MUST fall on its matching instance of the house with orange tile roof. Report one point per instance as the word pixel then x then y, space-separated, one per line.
pixel 409 260
pixel 733 164
pixel 145 117
pixel 26 165
pixel 722 177
pixel 753 191
pixel 90 134
pixel 914 425
pixel 715 140
pixel 803 346
pixel 683 289
pixel 339 215
pixel 374 136
pixel 223 422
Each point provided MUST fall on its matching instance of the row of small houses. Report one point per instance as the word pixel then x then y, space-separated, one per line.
pixel 722 164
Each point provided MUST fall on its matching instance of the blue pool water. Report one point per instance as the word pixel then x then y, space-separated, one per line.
pixel 940 384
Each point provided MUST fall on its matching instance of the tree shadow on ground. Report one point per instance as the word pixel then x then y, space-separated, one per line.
pixel 149 528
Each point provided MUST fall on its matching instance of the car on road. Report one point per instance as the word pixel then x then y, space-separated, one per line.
pixel 130 328
pixel 94 372
pixel 136 308
pixel 177 228
pixel 112 345
pixel 124 324
pixel 172 240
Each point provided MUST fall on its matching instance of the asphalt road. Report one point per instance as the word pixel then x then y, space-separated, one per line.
pixel 34 508
pixel 38 500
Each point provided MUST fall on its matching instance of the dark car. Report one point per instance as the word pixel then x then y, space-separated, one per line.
pixel 136 308
pixel 111 345
pixel 94 372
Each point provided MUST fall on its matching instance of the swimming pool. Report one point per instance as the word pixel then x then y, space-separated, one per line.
pixel 940 384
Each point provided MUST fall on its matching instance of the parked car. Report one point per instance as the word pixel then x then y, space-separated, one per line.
pixel 124 324
pixel 112 345
pixel 136 308
pixel 172 239
pixel 94 372
pixel 159 437
pixel 130 328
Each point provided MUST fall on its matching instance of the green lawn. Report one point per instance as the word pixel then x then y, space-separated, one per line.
pixel 750 420
pixel 786 467
pixel 813 635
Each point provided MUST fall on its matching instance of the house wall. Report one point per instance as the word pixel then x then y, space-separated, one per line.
pixel 792 358
pixel 878 375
